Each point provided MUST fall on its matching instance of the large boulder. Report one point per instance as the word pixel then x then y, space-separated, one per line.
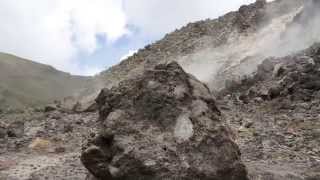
pixel 163 124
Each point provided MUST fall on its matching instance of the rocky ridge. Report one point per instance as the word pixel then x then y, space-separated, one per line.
pixel 187 40
pixel 204 35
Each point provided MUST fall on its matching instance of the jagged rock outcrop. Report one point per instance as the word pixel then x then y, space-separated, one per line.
pixel 162 125
pixel 251 16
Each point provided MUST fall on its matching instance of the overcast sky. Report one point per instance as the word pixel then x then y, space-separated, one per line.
pixel 87 36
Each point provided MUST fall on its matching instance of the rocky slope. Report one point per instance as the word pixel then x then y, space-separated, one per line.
pixel 215 51
pixel 272 107
pixel 190 43
pixel 207 48
pixel 275 113
pixel 24 83
pixel 221 50
pixel 44 145
pixel 261 64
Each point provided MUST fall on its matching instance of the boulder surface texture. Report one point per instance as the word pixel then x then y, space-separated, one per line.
pixel 163 124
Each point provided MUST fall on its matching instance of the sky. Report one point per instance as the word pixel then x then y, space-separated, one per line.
pixel 84 37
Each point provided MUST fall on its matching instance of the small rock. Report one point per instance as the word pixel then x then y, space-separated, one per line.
pixel 39 144
pixel 55 116
pixel 274 92
pixel 38 109
pixel 243 130
pixel 16 129
pixel 265 68
pixel 3 132
pixel 92 107
pixel 248 124
pixel 278 70
pixel 77 107
pixel 60 149
pixel 50 108
pixel 67 128
pixel 258 100
pixel 263 93
pixel 114 171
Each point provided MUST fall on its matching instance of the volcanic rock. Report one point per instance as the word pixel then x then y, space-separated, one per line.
pixel 16 129
pixel 3 132
pixel 50 108
pixel 163 124
pixel 282 142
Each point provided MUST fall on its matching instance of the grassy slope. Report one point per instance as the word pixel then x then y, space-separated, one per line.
pixel 26 83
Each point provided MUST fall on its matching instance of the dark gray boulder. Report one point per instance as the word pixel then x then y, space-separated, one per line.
pixel 16 129
pixel 50 108
pixel 3 132
pixel 163 124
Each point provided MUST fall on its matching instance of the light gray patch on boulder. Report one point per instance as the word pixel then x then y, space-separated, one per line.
pixel 115 115
pixel 199 108
pixel 180 91
pixel 153 84
pixel 183 130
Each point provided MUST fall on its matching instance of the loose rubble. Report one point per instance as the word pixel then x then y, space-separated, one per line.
pixel 43 145
pixel 276 115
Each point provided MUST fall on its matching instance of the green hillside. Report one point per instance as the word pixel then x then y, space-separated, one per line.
pixel 26 83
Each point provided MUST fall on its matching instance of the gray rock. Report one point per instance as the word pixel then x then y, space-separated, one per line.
pixel 50 108
pixel 171 131
pixel 16 129
pixel 283 142
pixel 3 132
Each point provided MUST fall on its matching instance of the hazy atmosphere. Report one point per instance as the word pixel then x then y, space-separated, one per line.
pixel 160 90
pixel 87 36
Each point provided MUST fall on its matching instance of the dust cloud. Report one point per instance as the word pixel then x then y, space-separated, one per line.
pixel 284 34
